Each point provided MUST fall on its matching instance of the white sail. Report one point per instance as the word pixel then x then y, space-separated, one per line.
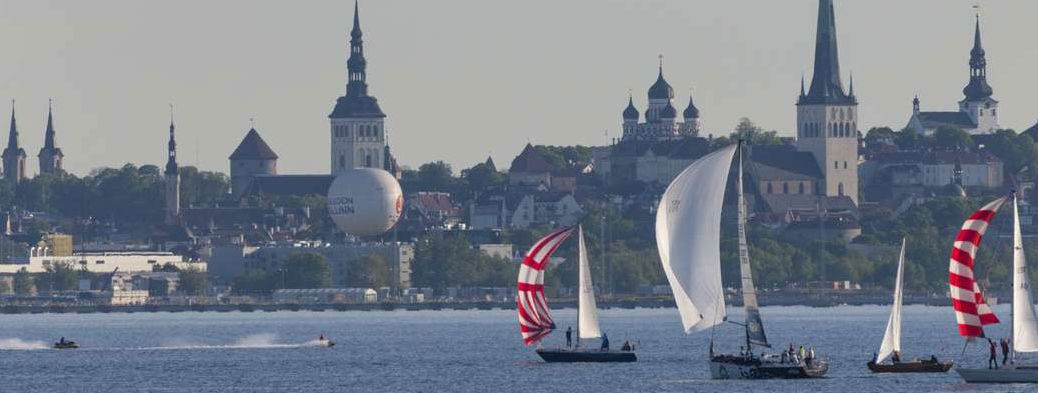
pixel 1025 327
pixel 587 310
pixel 892 338
pixel 688 238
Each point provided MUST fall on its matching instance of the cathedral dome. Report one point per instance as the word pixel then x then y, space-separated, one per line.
pixel 630 113
pixel 691 112
pixel 661 89
pixel 668 112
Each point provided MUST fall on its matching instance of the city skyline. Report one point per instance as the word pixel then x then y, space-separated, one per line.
pixel 529 85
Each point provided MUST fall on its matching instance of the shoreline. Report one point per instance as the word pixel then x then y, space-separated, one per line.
pixel 435 306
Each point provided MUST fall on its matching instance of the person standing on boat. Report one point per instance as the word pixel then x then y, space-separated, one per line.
pixel 605 342
pixel 569 336
pixel 810 355
pixel 1005 351
pixel 801 354
pixel 896 357
pixel 993 359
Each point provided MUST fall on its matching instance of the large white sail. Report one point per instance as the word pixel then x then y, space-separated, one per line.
pixel 1025 327
pixel 892 338
pixel 587 310
pixel 754 324
pixel 688 238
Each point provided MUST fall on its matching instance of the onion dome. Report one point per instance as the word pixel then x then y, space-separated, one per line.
pixel 630 113
pixel 668 112
pixel 661 90
pixel 691 112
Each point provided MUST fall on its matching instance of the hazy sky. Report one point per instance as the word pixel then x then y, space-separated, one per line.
pixel 461 79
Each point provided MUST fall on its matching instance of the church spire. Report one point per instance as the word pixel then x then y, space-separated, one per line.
pixel 48 137
pixel 14 155
pixel 826 87
pixel 978 88
pixel 356 65
pixel 171 161
pixel 12 137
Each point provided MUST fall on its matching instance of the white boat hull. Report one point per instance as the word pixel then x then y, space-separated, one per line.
pixel 1010 374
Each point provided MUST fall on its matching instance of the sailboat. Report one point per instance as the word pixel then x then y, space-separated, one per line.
pixel 891 346
pixel 688 236
pixel 971 321
pixel 535 320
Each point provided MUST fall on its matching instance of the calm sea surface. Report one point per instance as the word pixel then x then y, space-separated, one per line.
pixel 450 351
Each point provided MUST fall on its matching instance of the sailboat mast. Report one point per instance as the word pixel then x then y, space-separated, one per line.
pixel 754 324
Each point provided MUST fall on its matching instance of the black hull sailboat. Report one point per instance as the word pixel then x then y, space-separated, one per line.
pixel 586 355
pixel 917 366
pixel 752 367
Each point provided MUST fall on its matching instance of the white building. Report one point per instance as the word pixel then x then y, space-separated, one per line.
pixel 99 262
pixel 978 112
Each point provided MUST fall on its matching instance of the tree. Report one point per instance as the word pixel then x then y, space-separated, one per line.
pixel 59 277
pixel 435 176
pixel 253 281
pixel 481 176
pixel 368 271
pixel 880 135
pixel 952 138
pixel 306 270
pixel 5 287
pixel 194 281
pixel 23 282
pixel 754 135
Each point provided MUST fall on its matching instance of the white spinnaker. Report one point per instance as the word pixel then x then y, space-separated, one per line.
pixel 688 238
pixel 587 310
pixel 892 338
pixel 1025 327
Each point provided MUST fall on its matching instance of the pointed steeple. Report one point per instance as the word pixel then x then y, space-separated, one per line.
pixel 802 91
pixel 978 88
pixel 850 92
pixel 48 137
pixel 12 137
pixel 661 90
pixel 357 85
pixel 826 87
pixel 171 162
pixel 14 155
pixel 691 112
pixel 356 33
pixel 630 112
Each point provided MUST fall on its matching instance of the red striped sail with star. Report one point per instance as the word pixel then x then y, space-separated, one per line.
pixel 534 316
pixel 971 310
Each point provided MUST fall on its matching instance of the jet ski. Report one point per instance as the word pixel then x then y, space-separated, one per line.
pixel 323 341
pixel 65 344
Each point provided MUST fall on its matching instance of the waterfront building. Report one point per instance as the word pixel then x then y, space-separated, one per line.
pixel 229 261
pixel 978 112
pixel 40 258
pixel 14 155
pixel 51 157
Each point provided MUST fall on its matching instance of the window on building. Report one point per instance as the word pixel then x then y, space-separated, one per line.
pixel 836 165
pixel 845 165
pixel 367 159
pixel 785 188
pixel 839 189
pixel 342 161
pixel 992 112
pixel 801 188
pixel 99 262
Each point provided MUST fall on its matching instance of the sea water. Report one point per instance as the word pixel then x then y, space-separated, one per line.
pixel 456 351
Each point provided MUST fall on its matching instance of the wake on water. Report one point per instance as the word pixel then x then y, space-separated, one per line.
pixel 18 344
pixel 261 340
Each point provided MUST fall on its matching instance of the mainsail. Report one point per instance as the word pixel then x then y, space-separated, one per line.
pixel 1025 327
pixel 754 325
pixel 971 311
pixel 587 310
pixel 892 338
pixel 688 237
pixel 534 316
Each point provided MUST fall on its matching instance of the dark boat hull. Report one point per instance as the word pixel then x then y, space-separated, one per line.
pixel 66 345
pixel 922 366
pixel 586 356
pixel 739 367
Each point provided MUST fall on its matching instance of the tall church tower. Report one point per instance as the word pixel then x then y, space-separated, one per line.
pixel 978 104
pixel 358 137
pixel 14 155
pixel 827 117
pixel 50 156
pixel 172 180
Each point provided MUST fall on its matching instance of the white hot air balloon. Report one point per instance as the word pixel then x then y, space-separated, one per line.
pixel 365 201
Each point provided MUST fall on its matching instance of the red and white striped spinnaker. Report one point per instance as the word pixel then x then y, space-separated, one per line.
pixel 971 310
pixel 534 316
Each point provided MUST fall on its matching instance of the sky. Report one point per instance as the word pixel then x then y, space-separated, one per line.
pixel 461 80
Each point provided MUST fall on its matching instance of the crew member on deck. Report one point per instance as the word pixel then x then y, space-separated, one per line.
pixel 605 342
pixel 1005 351
pixel 896 357
pixel 993 359
pixel 569 336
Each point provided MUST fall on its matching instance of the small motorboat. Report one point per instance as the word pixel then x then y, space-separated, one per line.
pixel 325 342
pixel 66 344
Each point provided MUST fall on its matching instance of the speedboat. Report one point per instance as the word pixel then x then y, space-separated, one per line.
pixel 66 344
pixel 325 342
